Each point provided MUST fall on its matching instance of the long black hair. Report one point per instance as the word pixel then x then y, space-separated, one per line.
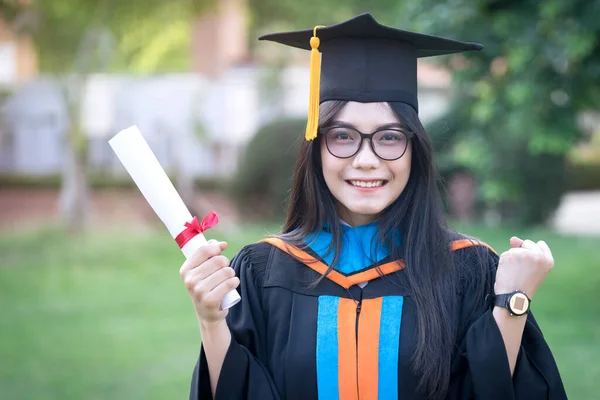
pixel 418 215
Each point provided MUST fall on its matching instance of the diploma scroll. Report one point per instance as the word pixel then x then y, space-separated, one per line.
pixel 140 162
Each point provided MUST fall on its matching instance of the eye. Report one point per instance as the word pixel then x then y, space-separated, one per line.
pixel 341 134
pixel 391 135
pixel 390 138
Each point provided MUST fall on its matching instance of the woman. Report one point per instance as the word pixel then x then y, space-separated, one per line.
pixel 367 293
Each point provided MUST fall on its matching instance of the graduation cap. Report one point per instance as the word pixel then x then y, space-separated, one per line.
pixel 362 60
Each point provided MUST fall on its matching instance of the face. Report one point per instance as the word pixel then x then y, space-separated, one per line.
pixel 364 184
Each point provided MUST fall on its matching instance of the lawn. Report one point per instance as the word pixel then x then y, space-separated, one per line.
pixel 107 317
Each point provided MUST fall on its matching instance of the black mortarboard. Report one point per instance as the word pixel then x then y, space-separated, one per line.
pixel 364 61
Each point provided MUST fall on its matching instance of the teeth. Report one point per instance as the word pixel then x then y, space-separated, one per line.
pixel 367 184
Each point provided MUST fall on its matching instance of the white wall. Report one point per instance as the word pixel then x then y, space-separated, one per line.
pixel 200 124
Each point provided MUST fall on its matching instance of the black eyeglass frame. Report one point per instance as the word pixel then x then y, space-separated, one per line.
pixel 368 136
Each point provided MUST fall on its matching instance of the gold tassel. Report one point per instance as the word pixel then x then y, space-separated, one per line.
pixel 315 86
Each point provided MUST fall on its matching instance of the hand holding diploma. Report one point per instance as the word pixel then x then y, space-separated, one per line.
pixel 208 278
pixel 141 163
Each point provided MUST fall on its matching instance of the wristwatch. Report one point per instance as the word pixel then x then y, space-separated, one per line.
pixel 517 302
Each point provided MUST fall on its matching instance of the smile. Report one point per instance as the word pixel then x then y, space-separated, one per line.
pixel 367 184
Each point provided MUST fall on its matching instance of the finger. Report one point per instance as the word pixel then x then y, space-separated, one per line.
pixel 222 245
pixel 208 284
pixel 515 242
pixel 530 245
pixel 202 254
pixel 510 254
pixel 215 297
pixel 208 268
pixel 546 250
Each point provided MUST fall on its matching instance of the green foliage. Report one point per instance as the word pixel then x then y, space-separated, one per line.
pixel 264 174
pixel 514 110
pixel 269 15
pixel 141 35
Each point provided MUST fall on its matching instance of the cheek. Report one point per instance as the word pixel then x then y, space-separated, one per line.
pixel 333 168
pixel 401 168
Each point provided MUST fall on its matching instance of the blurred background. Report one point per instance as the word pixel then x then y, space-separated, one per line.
pixel 92 306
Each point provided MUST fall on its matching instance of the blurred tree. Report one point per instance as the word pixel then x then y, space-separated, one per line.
pixel 292 14
pixel 264 176
pixel 513 118
pixel 515 105
pixel 77 38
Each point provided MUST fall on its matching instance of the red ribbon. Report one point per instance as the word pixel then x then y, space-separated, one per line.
pixel 195 227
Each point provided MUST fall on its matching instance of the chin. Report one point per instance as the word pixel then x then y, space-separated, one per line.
pixel 367 210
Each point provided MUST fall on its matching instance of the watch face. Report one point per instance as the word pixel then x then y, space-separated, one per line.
pixel 519 304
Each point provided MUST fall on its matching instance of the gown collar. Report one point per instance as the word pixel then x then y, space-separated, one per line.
pixel 360 247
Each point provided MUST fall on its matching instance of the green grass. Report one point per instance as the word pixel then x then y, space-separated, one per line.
pixel 106 316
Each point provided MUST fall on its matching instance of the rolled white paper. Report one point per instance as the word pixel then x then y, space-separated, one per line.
pixel 140 162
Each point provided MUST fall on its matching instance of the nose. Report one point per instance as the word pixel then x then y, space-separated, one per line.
pixel 365 158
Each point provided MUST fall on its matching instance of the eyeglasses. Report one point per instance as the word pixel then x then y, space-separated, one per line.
pixel 387 144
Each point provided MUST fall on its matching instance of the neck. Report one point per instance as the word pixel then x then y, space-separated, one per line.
pixel 354 219
pixel 358 220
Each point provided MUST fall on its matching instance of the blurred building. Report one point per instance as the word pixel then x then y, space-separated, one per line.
pixel 199 121
pixel 18 58
pixel 220 39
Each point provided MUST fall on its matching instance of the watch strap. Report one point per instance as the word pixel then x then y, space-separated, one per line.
pixel 501 300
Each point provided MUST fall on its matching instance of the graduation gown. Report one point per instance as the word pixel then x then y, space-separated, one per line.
pixel 343 340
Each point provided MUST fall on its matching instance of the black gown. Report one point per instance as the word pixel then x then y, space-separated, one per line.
pixel 343 341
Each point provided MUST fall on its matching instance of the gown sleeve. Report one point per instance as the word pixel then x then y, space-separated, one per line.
pixel 480 367
pixel 243 375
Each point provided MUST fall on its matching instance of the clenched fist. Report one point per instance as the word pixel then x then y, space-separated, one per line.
pixel 208 278
pixel 523 267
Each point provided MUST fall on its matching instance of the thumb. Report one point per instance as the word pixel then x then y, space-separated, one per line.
pixel 515 242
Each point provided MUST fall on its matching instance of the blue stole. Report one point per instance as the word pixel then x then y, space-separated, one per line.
pixel 342 356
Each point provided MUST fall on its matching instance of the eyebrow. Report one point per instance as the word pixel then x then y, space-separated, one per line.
pixel 391 125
